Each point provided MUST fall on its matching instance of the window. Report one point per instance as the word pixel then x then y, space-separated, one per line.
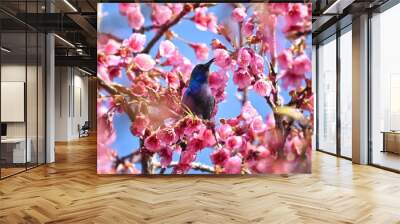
pixel 385 89
pixel 346 92
pixel 327 96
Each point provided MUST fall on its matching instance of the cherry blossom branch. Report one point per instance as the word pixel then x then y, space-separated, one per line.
pixel 299 98
pixel 164 28
pixel 273 102
pixel 147 28
pixel 194 166
pixel 133 157
pixel 116 89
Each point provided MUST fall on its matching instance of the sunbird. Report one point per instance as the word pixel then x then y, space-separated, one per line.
pixel 198 96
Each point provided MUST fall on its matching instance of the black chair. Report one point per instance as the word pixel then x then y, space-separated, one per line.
pixel 84 130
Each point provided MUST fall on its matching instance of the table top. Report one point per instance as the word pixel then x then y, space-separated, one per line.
pixel 391 132
pixel 13 140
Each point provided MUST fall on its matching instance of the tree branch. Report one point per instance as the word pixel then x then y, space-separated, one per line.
pixel 165 27
pixel 298 101
pixel 116 89
pixel 147 28
pixel 194 166
pixel 133 157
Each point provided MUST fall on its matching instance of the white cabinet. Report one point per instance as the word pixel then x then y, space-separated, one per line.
pixel 17 146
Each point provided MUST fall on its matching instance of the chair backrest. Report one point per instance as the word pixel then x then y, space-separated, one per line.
pixel 86 125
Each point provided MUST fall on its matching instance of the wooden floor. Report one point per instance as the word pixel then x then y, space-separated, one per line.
pixel 386 159
pixel 69 191
pixel 10 171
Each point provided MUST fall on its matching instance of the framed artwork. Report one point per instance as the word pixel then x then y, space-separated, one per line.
pixel 204 88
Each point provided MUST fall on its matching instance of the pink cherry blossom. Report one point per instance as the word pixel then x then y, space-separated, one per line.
pixel 161 14
pixel 218 79
pixel 285 59
pixel 144 62
pixel 278 8
pixel 139 89
pixel 271 21
pixel 165 156
pixel 248 28
pixel 293 146
pixel 111 47
pixel 124 8
pixel 262 87
pixel 139 125
pixel 239 14
pixel 222 58
pixel 136 42
pixel 244 57
pixel 224 131
pixel 263 151
pixel 248 111
pixel 208 137
pixel 220 95
pixel 233 165
pixel 174 59
pixel 187 157
pixel 200 18
pixel 114 72
pixel 205 20
pixel 175 7
pixel 167 48
pixel 113 60
pixel 257 125
pixel 212 23
pixel 104 160
pixel 167 136
pixel 257 65
pixel 185 67
pixel 301 64
pixel 135 18
pixel 234 142
pixel 195 144
pixel 201 51
pixel 102 73
pixel 152 143
pixel 220 156
pixel 297 11
pixel 242 78
pixel 192 125
pixel 105 123
pixel 172 80
pixel 296 18
pixel 291 79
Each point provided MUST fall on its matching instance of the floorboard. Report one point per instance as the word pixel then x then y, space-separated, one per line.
pixel 69 191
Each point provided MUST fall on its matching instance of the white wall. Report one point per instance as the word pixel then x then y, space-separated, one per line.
pixel 33 127
pixel 61 103
pixel 71 102
pixel 16 73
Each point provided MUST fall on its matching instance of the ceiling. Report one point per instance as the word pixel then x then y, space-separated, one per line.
pixel 74 22
pixel 328 15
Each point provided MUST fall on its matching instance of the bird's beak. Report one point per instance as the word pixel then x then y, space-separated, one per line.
pixel 208 64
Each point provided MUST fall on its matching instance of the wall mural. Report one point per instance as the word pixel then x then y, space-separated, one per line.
pixel 204 88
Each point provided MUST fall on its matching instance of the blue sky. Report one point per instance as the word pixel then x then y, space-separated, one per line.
pixel 116 24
